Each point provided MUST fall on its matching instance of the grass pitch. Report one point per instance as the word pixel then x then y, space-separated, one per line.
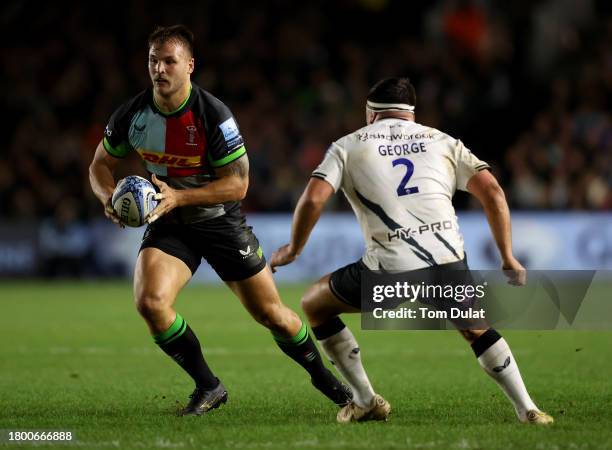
pixel 76 356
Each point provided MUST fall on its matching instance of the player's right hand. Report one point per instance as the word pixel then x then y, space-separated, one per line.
pixel 515 272
pixel 110 212
pixel 281 257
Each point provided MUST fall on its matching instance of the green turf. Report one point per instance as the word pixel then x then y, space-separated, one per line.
pixel 77 356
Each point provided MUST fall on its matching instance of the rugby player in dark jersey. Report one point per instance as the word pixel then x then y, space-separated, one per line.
pixel 191 145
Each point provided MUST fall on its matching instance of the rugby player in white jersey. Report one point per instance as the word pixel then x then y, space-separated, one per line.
pixel 399 175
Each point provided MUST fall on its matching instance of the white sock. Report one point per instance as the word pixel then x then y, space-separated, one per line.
pixel 500 364
pixel 343 351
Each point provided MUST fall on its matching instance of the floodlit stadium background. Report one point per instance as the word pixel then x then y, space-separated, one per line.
pixel 526 85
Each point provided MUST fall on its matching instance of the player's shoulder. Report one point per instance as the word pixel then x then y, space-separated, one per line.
pixel 208 103
pixel 136 102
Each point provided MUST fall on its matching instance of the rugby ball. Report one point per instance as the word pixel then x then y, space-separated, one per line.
pixel 133 199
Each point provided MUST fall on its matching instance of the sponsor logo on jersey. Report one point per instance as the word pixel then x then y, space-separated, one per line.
pixel 402 233
pixel 169 160
pixel 394 136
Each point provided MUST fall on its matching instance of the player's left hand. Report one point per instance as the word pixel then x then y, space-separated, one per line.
pixel 515 272
pixel 168 200
pixel 281 257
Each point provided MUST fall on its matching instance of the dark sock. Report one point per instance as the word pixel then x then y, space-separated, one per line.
pixel 329 328
pixel 484 341
pixel 182 345
pixel 302 350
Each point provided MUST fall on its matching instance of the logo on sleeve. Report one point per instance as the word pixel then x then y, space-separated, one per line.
pixel 229 128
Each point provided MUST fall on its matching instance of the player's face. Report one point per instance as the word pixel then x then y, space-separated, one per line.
pixel 170 67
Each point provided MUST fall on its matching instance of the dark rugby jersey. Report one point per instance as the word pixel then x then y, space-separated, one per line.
pixel 182 147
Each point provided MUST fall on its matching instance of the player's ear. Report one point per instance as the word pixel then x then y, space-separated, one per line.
pixel 370 116
pixel 191 66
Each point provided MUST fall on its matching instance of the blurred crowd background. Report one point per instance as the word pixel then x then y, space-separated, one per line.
pixel 525 84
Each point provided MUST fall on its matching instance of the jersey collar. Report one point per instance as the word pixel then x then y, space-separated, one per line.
pixel 177 110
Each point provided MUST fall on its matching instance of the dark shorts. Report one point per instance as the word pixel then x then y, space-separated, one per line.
pixel 346 282
pixel 227 244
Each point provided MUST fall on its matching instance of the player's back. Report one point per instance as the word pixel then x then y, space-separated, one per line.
pixel 400 177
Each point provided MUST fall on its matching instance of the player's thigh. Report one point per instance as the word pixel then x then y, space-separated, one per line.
pixel 320 303
pixel 158 278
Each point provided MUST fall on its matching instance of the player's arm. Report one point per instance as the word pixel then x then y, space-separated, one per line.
pixel 232 185
pixel 102 181
pixel 486 189
pixel 305 217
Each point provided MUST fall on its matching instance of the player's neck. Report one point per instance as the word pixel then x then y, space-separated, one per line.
pixel 173 103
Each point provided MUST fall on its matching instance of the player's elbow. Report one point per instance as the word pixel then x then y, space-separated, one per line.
pixel 486 189
pixel 494 192
pixel 241 189
pixel 93 171
pixel 493 198
pixel 313 202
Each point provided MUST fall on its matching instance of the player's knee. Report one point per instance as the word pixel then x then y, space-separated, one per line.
pixel 271 317
pixel 150 304
pixel 471 335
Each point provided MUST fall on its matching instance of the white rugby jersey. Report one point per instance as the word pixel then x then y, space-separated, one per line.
pixel 399 177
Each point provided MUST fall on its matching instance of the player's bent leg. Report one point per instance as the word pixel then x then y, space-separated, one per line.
pixel 260 297
pixel 320 304
pixel 158 278
pixel 322 307
pixel 496 359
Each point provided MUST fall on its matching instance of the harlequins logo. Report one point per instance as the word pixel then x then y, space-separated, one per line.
pixel 191 135
pixel 500 368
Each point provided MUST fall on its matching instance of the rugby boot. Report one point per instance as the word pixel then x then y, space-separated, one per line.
pixel 379 409
pixel 202 401
pixel 536 417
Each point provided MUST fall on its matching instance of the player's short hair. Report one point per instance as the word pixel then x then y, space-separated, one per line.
pixel 392 91
pixel 177 33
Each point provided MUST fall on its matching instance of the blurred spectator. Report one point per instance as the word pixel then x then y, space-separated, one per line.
pixel 526 86
pixel 65 242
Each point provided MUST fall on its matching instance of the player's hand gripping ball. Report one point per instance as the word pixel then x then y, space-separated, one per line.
pixel 133 199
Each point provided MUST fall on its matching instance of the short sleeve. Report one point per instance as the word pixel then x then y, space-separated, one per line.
pixel 225 141
pixel 468 165
pixel 332 167
pixel 115 140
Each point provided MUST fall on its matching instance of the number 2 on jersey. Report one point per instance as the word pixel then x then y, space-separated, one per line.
pixel 402 189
